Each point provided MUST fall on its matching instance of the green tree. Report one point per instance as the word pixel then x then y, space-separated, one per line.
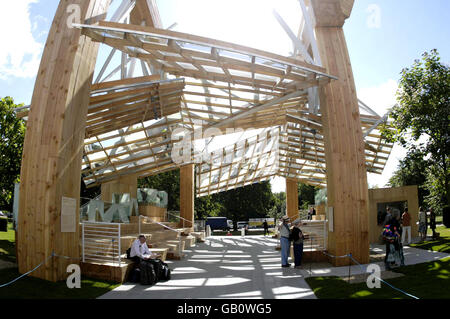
pixel 12 133
pixel 279 207
pixel 306 195
pixel 209 205
pixel 251 201
pixel 423 111
pixel 412 170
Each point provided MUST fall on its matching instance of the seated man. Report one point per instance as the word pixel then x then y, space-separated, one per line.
pixel 139 250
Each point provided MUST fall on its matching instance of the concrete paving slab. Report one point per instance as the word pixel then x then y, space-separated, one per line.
pixel 225 267
pixel 247 267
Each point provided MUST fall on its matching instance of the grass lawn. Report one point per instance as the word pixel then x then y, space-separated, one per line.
pixel 441 245
pixel 426 281
pixel 7 245
pixel 34 288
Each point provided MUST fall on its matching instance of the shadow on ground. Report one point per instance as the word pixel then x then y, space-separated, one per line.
pixel 226 267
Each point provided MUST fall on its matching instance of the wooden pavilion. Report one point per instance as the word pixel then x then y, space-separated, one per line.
pixel 308 123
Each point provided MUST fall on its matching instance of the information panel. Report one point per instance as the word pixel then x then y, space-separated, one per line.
pixel 68 215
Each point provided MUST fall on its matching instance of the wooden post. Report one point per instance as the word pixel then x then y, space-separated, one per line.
pixel 344 145
pixel 292 198
pixel 54 140
pixel 187 194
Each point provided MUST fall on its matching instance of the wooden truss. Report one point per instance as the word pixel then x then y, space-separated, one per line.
pixel 200 84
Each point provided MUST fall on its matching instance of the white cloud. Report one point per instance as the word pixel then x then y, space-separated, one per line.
pixel 380 98
pixel 20 53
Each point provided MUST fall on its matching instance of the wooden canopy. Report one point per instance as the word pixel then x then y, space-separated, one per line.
pixel 210 84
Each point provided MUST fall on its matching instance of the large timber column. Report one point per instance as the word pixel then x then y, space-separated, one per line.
pixel 292 198
pixel 54 140
pixel 187 194
pixel 344 145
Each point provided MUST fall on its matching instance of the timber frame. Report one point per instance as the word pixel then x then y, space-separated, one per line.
pixel 193 84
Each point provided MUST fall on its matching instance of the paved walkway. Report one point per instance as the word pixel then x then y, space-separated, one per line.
pixel 246 267
pixel 226 267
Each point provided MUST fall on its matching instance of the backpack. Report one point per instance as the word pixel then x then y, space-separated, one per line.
pixel 162 270
pixel 148 275
pixel 165 275
pixel 135 275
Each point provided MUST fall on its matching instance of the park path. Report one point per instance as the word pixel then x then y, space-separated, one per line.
pixel 247 267
pixel 226 267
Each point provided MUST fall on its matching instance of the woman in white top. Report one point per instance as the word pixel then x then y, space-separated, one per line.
pixel 284 230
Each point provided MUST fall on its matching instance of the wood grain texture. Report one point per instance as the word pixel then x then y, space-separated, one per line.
pixel 344 144
pixel 187 194
pixel 292 198
pixel 53 143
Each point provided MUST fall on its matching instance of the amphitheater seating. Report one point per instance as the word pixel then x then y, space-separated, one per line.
pixel 199 236
pixel 169 243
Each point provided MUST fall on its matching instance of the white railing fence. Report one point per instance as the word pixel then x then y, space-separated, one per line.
pixel 101 242
pixel 185 222
pixel 316 235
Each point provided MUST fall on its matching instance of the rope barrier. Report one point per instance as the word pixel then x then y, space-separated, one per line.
pixel 365 271
pixel 36 268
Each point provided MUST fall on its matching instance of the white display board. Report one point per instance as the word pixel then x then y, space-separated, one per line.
pixel 68 215
pixel 330 219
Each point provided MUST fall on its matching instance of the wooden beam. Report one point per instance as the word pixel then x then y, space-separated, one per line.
pixel 53 146
pixel 342 133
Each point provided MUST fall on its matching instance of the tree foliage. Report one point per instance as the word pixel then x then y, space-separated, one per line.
pixel 12 134
pixel 412 170
pixel 306 195
pixel 279 207
pixel 423 113
pixel 251 201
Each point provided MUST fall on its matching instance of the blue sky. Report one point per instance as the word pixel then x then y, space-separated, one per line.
pixel 383 36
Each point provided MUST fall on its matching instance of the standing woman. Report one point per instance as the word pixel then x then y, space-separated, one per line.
pixel 285 244
pixel 297 238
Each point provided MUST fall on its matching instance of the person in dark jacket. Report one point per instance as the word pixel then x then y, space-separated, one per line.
pixel 266 228
pixel 432 216
pixel 297 239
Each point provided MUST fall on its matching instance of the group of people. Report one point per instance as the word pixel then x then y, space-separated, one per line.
pixel 427 219
pixel 395 228
pixel 290 234
pixel 311 213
